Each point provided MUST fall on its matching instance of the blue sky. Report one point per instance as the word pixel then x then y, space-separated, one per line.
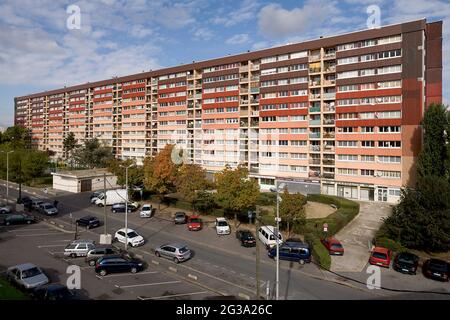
pixel 117 37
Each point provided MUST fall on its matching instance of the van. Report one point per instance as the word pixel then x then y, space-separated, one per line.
pixel 266 235
pixel 292 251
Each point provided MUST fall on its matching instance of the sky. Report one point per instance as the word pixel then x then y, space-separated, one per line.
pixel 116 37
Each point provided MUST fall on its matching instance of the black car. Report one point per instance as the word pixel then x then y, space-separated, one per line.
pixel 406 262
pixel 88 222
pixel 436 269
pixel 118 263
pixel 17 218
pixel 52 292
pixel 26 201
pixel 246 238
pixel 120 207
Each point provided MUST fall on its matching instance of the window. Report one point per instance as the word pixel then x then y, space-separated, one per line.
pixel 298 143
pixel 283 118
pixel 347 157
pixel 365 158
pixel 394 192
pixel 347 172
pixel 365 172
pixel 389 144
pixel 297 55
pixel 367 129
pixel 348 60
pixel 347 74
pixel 389 159
pixel 389 69
pixel 389 174
pixel 389 129
pixel 368 144
pixel 353 87
pixel 345 143
pixel 389 115
pixel 283 142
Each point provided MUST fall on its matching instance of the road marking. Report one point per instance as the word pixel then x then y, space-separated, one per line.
pixel 174 295
pixel 51 246
pixel 38 234
pixel 128 274
pixel 192 276
pixel 173 269
pixel 148 284
pixel 26 230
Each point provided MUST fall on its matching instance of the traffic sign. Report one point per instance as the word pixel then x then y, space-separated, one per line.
pixel 325 227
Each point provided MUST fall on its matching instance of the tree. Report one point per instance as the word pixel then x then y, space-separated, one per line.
pixel 422 218
pixel 16 137
pixel 292 209
pixel 24 165
pixel 236 192
pixel 93 154
pixel 190 180
pixel 135 172
pixel 160 172
pixel 69 144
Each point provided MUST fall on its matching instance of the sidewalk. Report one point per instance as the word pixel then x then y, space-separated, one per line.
pixel 356 236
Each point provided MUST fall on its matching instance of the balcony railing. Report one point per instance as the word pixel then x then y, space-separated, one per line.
pixel 329 135
pixel 254 90
pixel 314 109
pixel 314 148
pixel 255 78
pixel 330 69
pixel 254 67
pixel 243 79
pixel 329 96
pixel 328 108
pixel 328 148
pixel 314 70
pixel 327 175
pixel 314 161
pixel 314 83
pixel 314 122
pixel 243 69
pixel 314 135
pixel 314 96
pixel 254 101
pixel 330 55
pixel 328 161
pixel 243 90
pixel 314 174
pixel 314 57
pixel 329 82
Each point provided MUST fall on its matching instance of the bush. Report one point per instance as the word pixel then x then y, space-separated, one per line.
pixel 390 244
pixel 320 254
pixel 266 199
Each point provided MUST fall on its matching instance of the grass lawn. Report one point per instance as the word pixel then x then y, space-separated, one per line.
pixel 41 182
pixel 8 292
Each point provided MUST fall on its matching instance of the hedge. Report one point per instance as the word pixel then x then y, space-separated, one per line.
pixel 320 254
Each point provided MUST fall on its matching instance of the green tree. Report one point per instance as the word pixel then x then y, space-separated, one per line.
pixel 93 154
pixel 160 172
pixel 190 180
pixel 236 192
pixel 292 209
pixel 69 144
pixel 135 172
pixel 16 137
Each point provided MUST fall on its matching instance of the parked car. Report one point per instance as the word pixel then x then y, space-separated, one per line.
pixel 146 211
pixel 292 251
pixel 175 251
pixel 120 207
pixel 79 248
pixel 17 218
pixel 194 223
pixel 4 208
pixel 134 239
pixel 180 217
pixel 333 246
pixel 113 264
pixel 52 292
pixel 88 222
pixel 35 203
pixel 436 269
pixel 48 209
pixel 222 226
pixel 246 238
pixel 380 257
pixel 95 194
pixel 25 200
pixel 406 262
pixel 100 252
pixel 266 235
pixel 26 276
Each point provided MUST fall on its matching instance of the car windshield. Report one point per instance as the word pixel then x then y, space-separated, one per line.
pixel 48 206
pixel 30 272
pixel 379 255
pixel 179 215
pixel 195 220
pixel 146 207
pixel 336 245
pixel 247 235
pixel 222 224
pixel 436 265
pixel 132 234
pixel 183 250
pixel 272 237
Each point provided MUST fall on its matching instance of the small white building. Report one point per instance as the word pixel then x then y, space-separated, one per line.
pixel 83 180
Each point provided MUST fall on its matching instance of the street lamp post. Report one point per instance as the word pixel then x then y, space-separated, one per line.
pixel 126 206
pixel 7 174
pixel 277 278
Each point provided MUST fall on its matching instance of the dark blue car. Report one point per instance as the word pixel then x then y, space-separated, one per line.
pixel 292 251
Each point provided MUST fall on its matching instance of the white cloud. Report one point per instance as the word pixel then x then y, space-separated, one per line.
pixel 246 11
pixel 274 21
pixel 238 39
pixel 139 31
pixel 203 34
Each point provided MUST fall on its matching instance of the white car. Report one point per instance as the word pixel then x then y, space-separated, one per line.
pixel 146 211
pixel 134 239
pixel 222 226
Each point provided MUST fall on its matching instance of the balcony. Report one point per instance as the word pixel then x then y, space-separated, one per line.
pixel 314 96
pixel 254 101
pixel 314 122
pixel 243 79
pixel 329 82
pixel 329 108
pixel 330 69
pixel 243 113
pixel 314 109
pixel 328 162
pixel 243 69
pixel 315 57
pixel 254 67
pixel 254 90
pixel 314 161
pixel 330 55
pixel 254 78
pixel 328 135
pixel 314 70
pixel 315 174
pixel 314 135
pixel 254 123
pixel 314 83
pixel 314 148
pixel 243 102
pixel 255 113
pixel 328 175
pixel 329 96
pixel 328 148
pixel 243 90
pixel 198 96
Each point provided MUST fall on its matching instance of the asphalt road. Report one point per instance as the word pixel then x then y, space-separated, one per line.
pixel 220 262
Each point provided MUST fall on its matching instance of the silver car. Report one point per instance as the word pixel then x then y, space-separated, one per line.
pixel 36 203
pixel 79 248
pixel 27 276
pixel 4 208
pixel 175 251
pixel 48 209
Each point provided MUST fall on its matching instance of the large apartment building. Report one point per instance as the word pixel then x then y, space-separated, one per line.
pixel 338 113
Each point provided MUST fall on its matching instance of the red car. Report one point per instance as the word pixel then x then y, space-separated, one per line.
pixel 333 246
pixel 380 257
pixel 194 223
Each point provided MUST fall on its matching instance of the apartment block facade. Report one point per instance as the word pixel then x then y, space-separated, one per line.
pixel 340 113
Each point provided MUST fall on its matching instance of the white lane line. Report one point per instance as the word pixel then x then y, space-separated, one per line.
pixel 26 230
pixel 174 295
pixel 129 274
pixel 147 284
pixel 55 252
pixel 51 246
pixel 39 234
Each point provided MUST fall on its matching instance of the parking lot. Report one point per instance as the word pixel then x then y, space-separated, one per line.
pixel 43 245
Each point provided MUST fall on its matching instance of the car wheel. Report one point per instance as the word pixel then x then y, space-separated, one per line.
pixel 100 204
pixel 73 255
pixel 133 270
pixel 7 223
pixel 157 254
pixel 102 272
pixel 92 263
pixel 115 239
pixel 301 261
pixel 28 221
pixel 176 260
